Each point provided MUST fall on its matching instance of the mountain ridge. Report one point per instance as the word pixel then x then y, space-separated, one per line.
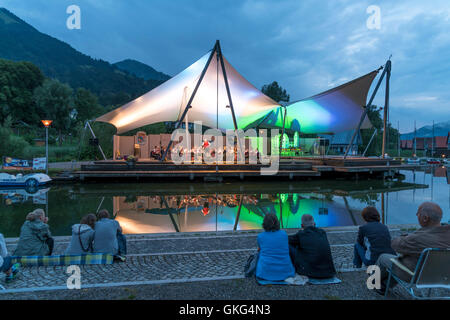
pixel 141 70
pixel 440 129
pixel 57 59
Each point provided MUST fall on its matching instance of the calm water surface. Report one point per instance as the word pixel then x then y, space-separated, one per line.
pixel 197 207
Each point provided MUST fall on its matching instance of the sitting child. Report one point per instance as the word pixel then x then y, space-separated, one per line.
pixel 5 262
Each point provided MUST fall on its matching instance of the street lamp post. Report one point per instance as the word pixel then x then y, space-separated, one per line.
pixel 47 124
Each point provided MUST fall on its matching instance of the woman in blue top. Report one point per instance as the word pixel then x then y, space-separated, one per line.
pixel 274 263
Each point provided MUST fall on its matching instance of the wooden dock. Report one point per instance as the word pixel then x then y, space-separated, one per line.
pixel 289 169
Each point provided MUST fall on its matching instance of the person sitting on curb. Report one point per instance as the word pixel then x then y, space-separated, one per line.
pixel 35 237
pixel 108 237
pixel 310 251
pixel 273 263
pixel 409 247
pixel 373 239
pixel 6 265
pixel 82 236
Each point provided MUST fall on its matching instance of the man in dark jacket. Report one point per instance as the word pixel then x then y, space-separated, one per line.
pixel 310 251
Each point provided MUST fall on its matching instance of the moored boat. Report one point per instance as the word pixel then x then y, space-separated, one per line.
pixel 413 160
pixel 32 180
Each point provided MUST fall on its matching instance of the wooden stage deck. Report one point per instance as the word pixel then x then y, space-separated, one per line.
pixel 289 168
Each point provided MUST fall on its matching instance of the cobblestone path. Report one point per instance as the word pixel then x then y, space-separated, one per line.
pixel 158 259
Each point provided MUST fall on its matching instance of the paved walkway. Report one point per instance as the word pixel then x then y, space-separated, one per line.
pixel 176 258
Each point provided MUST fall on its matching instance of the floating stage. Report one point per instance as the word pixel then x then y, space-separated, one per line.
pixel 289 169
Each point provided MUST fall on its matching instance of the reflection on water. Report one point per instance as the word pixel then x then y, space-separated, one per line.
pixel 162 208
pixel 219 212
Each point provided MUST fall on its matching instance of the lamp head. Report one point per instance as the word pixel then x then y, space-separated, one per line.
pixel 47 123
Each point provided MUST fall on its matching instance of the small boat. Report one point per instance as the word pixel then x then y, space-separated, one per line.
pixel 413 160
pixel 33 180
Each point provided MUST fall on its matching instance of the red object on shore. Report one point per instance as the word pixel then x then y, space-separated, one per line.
pixel 433 162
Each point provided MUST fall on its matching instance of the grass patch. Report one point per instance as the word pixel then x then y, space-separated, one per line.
pixel 55 153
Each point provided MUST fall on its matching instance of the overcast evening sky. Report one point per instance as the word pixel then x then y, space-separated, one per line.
pixel 308 46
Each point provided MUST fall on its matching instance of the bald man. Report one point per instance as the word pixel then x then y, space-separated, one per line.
pixel 431 235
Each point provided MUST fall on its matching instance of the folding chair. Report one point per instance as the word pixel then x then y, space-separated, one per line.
pixel 432 271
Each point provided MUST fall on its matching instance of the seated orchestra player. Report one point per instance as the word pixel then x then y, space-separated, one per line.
pixel 153 153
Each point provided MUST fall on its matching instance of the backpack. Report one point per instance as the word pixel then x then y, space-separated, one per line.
pixel 250 266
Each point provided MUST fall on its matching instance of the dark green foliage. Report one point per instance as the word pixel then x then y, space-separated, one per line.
pixel 104 132
pixel 17 83
pixel 276 92
pixel 376 118
pixel 12 145
pixel 86 105
pixel 53 102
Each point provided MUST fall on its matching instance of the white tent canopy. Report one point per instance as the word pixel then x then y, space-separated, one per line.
pixel 168 101
pixel 333 111
pixel 336 110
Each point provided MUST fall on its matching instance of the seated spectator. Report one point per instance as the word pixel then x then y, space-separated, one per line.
pixel 35 237
pixel 82 236
pixel 108 237
pixel 409 247
pixel 373 239
pixel 310 251
pixel 6 265
pixel 273 263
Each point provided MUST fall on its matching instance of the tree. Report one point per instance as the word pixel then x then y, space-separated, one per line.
pixel 375 117
pixel 276 92
pixel 11 145
pixel 86 105
pixel 53 102
pixel 18 80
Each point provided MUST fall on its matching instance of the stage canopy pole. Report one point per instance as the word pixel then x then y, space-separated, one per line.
pixel 93 134
pixel 370 141
pixel 366 109
pixel 386 108
pixel 219 53
pixel 188 105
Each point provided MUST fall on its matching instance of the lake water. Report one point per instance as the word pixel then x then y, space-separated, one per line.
pixel 198 207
